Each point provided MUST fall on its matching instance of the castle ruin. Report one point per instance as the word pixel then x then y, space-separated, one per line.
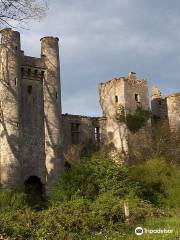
pixel 33 131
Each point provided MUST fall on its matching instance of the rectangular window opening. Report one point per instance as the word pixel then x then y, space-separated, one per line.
pixel 137 97
pixel 29 89
pixel 75 133
pixel 116 99
pixel 29 71
pixel 35 72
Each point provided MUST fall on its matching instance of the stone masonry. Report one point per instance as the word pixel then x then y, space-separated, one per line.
pixel 34 134
pixel 30 130
pixel 129 93
pixel 166 109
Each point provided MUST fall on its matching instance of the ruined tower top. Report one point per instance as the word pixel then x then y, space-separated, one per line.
pixel 10 38
pixel 156 93
pixel 132 75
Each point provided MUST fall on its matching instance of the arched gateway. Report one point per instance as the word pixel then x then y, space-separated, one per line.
pixel 34 186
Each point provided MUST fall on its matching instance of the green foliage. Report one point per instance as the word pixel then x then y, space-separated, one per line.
pixel 88 202
pixel 134 121
pixel 18 223
pixel 158 223
pixel 92 176
pixel 137 120
pixel 159 182
pixel 67 220
pixel 106 210
pixel 12 199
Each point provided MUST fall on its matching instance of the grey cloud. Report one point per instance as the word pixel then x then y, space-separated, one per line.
pixel 103 39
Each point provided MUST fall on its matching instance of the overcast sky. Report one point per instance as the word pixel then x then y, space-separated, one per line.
pixel 103 39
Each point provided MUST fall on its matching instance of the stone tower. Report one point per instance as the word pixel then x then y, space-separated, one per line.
pixel 166 109
pixel 52 108
pixel 158 106
pixel 30 104
pixel 9 108
pixel 121 94
pixel 173 111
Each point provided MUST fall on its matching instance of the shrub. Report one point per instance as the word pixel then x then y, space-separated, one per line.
pixel 158 182
pixel 93 176
pixel 18 224
pixel 12 199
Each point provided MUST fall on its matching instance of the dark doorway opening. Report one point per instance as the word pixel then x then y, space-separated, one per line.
pixel 33 185
pixel 34 190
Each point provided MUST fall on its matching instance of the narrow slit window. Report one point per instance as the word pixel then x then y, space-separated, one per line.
pixel 56 95
pixel 97 135
pixel 22 71
pixel 29 89
pixel 15 81
pixel 116 99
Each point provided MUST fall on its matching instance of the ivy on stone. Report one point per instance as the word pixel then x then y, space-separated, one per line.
pixel 134 121
pixel 120 116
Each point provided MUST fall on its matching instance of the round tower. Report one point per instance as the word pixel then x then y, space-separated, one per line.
pixel 52 109
pixel 9 108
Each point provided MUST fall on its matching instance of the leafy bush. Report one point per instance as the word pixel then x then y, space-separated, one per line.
pixel 89 202
pixel 12 199
pixel 92 176
pixel 158 182
pixel 106 211
pixel 18 224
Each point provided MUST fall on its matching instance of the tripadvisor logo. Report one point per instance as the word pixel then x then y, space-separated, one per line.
pixel 139 231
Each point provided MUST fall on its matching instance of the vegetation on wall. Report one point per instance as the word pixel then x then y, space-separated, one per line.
pixel 134 121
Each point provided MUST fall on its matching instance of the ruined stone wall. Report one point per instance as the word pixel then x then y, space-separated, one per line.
pixel 158 106
pixel 83 129
pixel 173 107
pixel 165 109
pixel 159 109
pixel 128 93
pixel 111 97
pixel 136 95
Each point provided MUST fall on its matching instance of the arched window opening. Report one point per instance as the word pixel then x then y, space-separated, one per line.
pixel 34 189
